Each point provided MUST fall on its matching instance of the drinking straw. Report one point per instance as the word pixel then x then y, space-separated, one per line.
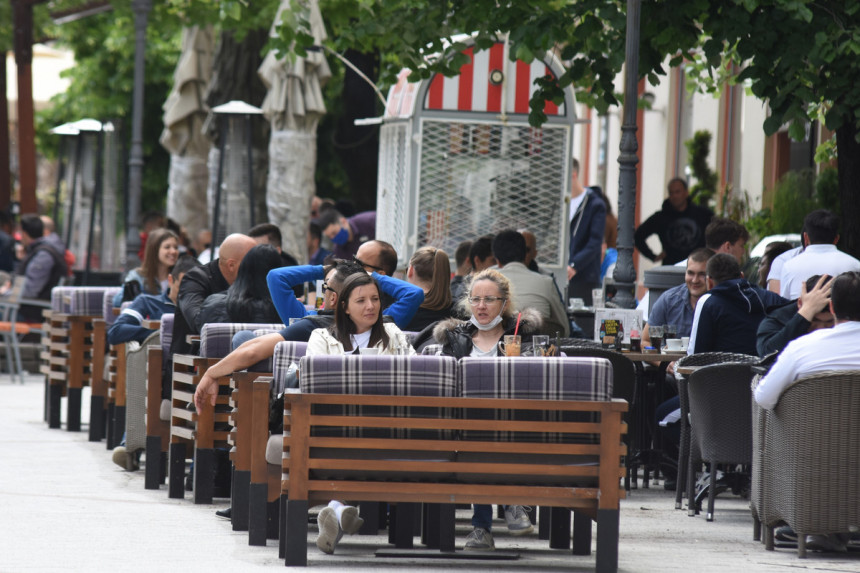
pixel 517 327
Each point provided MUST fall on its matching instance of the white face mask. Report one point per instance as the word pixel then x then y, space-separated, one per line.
pixel 489 326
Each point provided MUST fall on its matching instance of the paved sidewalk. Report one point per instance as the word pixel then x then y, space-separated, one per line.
pixel 64 506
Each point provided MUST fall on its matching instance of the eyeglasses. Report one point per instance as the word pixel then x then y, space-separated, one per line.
pixel 363 264
pixel 488 300
pixel 325 287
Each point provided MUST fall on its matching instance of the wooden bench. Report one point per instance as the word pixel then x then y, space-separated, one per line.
pixel 449 450
pixel 198 432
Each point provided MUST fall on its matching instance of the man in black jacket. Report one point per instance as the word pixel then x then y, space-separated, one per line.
pixel 810 312
pixel 680 225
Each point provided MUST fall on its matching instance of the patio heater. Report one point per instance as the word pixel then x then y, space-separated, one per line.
pixel 236 158
pixel 85 183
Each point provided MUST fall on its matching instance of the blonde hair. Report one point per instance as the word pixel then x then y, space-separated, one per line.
pixel 501 282
pixel 433 265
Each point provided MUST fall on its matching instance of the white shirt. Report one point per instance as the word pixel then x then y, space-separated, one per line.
pixel 575 202
pixel 776 265
pixel 815 260
pixel 360 340
pixel 825 349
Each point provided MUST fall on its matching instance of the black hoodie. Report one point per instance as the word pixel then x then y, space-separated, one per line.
pixel 680 232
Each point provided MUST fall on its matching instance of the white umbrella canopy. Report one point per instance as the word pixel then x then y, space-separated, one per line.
pixel 294 105
pixel 294 99
pixel 184 114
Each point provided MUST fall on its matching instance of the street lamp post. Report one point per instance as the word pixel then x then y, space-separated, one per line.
pixel 625 273
pixel 141 10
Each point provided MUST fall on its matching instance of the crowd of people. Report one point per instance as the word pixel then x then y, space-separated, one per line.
pixel 803 300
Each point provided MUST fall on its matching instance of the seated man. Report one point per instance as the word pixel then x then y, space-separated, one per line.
pixel 825 349
pixel 728 315
pixel 808 313
pixel 43 267
pixel 129 324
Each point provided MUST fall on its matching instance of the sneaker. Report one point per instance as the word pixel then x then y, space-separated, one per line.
pixel 330 531
pixel 785 534
pixel 834 543
pixel 518 520
pixel 480 540
pixel 125 459
pixel 350 522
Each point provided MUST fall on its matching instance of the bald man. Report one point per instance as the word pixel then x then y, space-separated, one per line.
pixel 198 283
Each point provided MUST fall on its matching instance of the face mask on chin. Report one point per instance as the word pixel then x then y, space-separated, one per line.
pixel 342 237
pixel 489 326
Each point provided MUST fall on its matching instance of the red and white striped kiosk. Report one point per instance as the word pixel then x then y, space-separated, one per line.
pixel 458 158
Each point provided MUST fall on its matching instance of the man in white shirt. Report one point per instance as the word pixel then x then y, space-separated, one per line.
pixel 825 349
pixel 821 257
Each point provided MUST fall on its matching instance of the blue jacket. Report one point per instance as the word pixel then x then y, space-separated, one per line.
pixel 128 325
pixel 728 316
pixel 586 239
pixel 407 297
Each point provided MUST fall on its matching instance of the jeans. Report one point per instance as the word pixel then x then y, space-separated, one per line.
pixel 242 337
pixel 482 516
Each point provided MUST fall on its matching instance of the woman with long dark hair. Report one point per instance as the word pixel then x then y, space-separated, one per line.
pixel 248 298
pixel 358 322
pixel 160 254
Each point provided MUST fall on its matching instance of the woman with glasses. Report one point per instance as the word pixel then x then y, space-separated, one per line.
pixel 430 269
pixel 357 325
pixel 490 303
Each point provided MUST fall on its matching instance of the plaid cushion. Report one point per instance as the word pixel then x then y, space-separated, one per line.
pixel 107 304
pixel 87 301
pixel 58 299
pixel 286 353
pixel 586 379
pixel 216 339
pixel 380 375
pixel 166 331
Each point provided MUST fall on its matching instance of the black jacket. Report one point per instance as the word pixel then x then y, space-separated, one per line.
pixel 680 232
pixel 779 328
pixel 456 335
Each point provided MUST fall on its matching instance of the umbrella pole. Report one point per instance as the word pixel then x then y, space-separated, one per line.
pixel 95 203
pixel 220 182
pixel 250 150
pixel 61 173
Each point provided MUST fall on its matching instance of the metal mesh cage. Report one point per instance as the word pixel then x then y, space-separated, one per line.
pixel 478 178
pixel 393 199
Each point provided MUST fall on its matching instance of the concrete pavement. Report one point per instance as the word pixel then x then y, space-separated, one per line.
pixel 64 506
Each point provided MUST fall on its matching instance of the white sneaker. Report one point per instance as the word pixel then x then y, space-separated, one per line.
pixel 330 531
pixel 518 520
pixel 480 540
pixel 350 522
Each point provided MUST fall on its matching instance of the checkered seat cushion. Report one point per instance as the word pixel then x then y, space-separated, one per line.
pixel 59 299
pixel 533 378
pixel 166 331
pixel 87 301
pixel 267 364
pixel 285 354
pixel 216 339
pixel 107 305
pixel 381 375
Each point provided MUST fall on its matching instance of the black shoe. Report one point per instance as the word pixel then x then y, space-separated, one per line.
pixel 670 484
pixel 225 513
pixel 189 482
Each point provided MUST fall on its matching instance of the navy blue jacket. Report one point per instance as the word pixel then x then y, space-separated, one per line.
pixel 587 239
pixel 128 325
pixel 729 317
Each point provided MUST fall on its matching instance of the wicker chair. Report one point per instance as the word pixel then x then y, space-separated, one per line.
pixel 810 457
pixel 720 420
pixel 703 359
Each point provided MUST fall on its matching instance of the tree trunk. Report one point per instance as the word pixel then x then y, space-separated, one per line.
pixel 848 163
pixel 5 170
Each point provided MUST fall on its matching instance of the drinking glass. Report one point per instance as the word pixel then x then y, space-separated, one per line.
pixel 511 345
pixel 656 333
pixel 670 331
pixel 540 345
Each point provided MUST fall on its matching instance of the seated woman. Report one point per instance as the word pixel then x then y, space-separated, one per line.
pixel 493 316
pixel 357 324
pixel 430 269
pixel 247 299
pixel 162 251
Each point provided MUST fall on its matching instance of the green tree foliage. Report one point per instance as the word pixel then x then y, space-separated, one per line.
pixel 102 80
pixel 698 149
